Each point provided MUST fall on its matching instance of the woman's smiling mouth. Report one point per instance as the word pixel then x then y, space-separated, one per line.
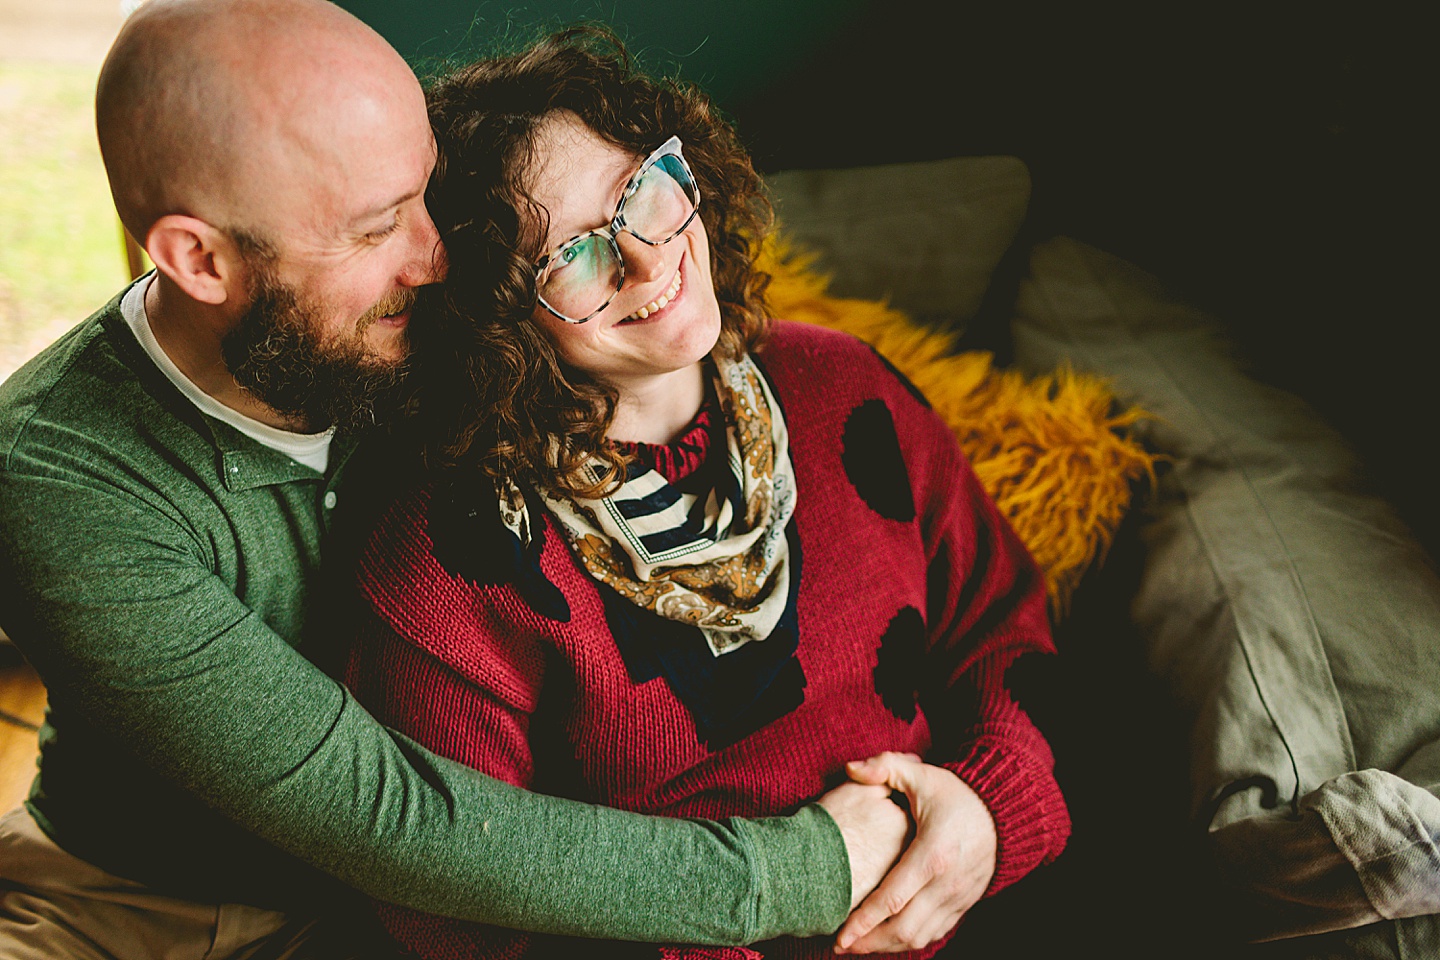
pixel 662 301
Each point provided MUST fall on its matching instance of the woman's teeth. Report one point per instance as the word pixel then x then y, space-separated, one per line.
pixel 659 301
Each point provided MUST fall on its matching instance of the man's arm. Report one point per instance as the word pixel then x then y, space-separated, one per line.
pixel 126 624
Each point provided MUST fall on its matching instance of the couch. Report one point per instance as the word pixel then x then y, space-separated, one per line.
pixel 1246 705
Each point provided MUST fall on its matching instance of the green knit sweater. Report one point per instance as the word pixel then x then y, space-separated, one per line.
pixel 155 568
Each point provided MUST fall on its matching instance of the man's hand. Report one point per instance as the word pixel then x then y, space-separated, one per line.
pixel 942 873
pixel 874 830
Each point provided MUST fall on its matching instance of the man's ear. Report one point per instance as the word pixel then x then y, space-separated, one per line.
pixel 198 258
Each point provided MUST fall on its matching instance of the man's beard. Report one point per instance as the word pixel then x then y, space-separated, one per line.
pixel 277 354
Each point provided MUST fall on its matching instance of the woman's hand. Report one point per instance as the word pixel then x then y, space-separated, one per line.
pixel 942 873
pixel 874 830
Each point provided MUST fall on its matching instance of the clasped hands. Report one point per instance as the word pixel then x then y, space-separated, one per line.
pixel 911 879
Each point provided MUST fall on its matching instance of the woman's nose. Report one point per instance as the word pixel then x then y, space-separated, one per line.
pixel 643 263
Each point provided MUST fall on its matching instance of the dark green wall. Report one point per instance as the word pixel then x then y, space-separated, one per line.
pixel 734 49
pixel 1273 162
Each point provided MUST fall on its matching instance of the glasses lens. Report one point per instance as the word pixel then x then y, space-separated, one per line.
pixel 664 199
pixel 581 277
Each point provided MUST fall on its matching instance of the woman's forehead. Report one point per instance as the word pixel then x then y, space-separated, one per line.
pixel 577 175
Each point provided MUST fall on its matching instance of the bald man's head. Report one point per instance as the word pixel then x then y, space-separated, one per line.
pixel 233 111
pixel 272 156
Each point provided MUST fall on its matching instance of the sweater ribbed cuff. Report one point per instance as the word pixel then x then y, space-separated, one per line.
pixel 1031 819
pixel 803 873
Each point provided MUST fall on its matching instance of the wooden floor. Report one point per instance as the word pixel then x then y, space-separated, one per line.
pixel 22 707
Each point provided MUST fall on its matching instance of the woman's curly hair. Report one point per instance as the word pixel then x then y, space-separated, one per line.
pixel 494 393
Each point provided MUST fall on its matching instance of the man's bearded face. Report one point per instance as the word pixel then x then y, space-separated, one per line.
pixel 281 354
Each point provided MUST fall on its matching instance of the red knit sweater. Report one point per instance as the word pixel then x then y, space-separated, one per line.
pixel 914 598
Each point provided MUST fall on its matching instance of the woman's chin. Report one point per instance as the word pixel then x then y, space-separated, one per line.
pixel 698 340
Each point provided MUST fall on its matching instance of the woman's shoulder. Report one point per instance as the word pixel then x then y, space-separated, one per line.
pixel 430 575
pixel 398 549
pixel 443 539
pixel 804 355
pixel 809 340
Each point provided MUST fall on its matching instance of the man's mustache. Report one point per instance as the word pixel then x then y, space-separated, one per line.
pixel 397 302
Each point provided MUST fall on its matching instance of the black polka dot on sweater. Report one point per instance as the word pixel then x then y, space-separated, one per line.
pixel 469 541
pixel 898 663
pixel 872 460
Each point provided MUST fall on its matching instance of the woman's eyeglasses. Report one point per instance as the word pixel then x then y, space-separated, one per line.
pixel 580 277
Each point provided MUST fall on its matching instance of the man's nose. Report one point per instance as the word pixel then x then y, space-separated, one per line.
pixel 428 262
pixel 643 263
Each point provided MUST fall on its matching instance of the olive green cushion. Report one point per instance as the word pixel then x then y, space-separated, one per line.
pixel 927 236
pixel 1289 613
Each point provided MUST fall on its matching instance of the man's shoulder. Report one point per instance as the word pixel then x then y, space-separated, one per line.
pixel 80 366
pixel 95 384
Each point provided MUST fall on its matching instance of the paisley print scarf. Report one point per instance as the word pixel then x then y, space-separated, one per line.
pixel 715 559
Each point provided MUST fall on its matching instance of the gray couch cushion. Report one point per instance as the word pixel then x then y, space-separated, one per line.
pixel 1289 613
pixel 927 236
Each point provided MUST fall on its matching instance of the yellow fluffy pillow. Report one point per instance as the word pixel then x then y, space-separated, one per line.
pixel 1055 451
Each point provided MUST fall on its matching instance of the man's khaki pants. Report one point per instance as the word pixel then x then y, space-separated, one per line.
pixel 54 906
